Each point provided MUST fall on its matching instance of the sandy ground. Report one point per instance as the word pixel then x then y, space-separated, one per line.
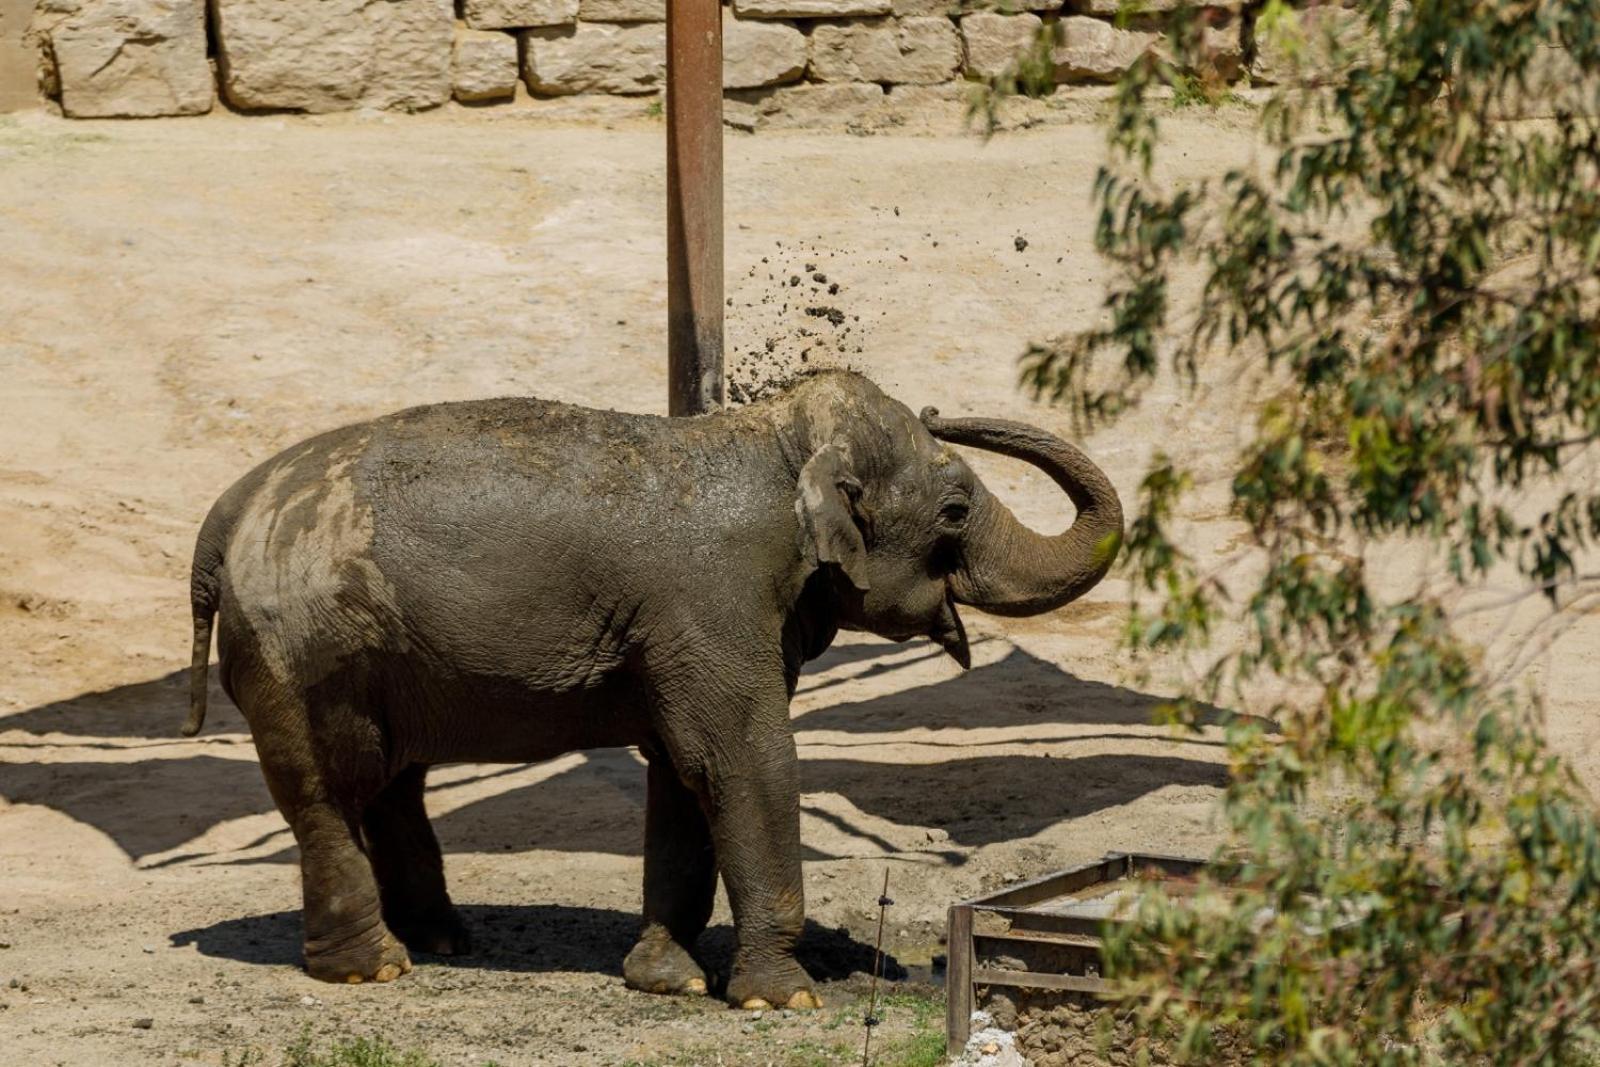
pixel 180 299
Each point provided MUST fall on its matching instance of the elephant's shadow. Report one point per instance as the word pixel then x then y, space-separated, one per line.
pixel 539 938
pixel 597 805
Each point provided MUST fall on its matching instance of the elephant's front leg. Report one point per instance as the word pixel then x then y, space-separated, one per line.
pixel 680 884
pixel 737 747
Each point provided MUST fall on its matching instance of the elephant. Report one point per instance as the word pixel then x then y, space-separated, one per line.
pixel 512 579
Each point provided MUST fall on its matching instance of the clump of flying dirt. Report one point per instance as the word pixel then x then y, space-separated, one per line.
pixel 802 318
pixel 797 309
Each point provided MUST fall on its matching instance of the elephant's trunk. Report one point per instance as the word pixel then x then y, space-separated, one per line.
pixel 1008 569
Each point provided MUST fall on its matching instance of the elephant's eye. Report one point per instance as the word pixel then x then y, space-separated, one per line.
pixel 953 514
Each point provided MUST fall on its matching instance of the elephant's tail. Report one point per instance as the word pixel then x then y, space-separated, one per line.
pixel 205 592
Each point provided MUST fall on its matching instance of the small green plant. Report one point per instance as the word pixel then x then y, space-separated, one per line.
pixel 924 1046
pixel 655 109
pixel 353 1052
pixel 922 1049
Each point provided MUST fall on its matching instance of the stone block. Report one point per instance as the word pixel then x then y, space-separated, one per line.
pixel 411 47
pixel 1091 50
pixel 1313 47
pixel 483 66
pixel 994 42
pixel 809 9
pixel 1111 8
pixel 623 11
pixel 595 58
pixel 909 51
pixel 812 106
pixel 760 52
pixel 1553 83
pixel 956 8
pixel 129 58
pixel 1223 41
pixel 334 55
pixel 19 60
pixel 518 14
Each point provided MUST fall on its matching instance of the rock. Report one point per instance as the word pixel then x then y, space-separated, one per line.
pixel 994 42
pixel 1003 1011
pixel 624 10
pixel 809 9
pixel 410 68
pixel 742 115
pixel 804 106
pixel 143 1024
pixel 1303 49
pixel 910 51
pixel 760 53
pixel 956 8
pixel 908 100
pixel 483 66
pixel 1091 50
pixel 1109 8
pixel 129 58
pixel 519 14
pixel 1554 83
pixel 334 55
pixel 596 58
pixel 1223 41
pixel 19 57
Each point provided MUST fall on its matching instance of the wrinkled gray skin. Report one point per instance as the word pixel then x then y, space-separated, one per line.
pixel 509 580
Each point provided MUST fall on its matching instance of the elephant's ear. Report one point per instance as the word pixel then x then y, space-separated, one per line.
pixel 825 502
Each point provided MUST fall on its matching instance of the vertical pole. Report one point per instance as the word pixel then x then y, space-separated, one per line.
pixel 958 999
pixel 694 206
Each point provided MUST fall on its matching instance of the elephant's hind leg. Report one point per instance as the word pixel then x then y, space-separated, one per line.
pixel 410 869
pixel 680 883
pixel 346 939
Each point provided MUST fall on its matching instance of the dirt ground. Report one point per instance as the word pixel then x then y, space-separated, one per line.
pixel 180 299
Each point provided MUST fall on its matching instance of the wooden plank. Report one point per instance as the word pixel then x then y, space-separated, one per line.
pixel 1071 983
pixel 1054 885
pixel 1042 922
pixel 1038 937
pixel 958 1002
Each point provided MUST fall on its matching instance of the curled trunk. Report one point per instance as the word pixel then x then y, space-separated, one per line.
pixel 1008 569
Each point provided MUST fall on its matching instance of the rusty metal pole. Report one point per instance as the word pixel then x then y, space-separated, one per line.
pixel 694 206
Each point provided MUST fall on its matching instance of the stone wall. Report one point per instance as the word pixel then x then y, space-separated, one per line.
pixel 144 58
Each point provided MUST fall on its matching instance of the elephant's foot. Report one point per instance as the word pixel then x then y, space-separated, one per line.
pixel 374 955
pixel 780 983
pixel 440 932
pixel 658 964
